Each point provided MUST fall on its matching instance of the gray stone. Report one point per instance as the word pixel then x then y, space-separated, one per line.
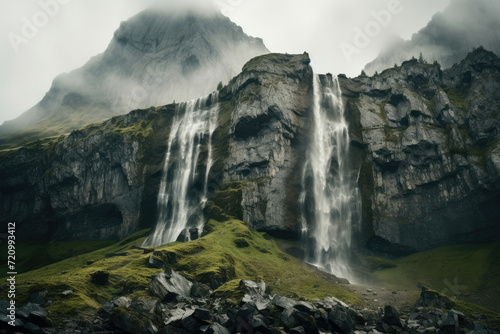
pixel 170 285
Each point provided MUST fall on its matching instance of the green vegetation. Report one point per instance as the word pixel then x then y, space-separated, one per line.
pixel 128 274
pixel 215 256
pixel 438 268
pixel 32 255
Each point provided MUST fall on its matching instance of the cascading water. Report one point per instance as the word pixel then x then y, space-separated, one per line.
pixel 180 203
pixel 328 225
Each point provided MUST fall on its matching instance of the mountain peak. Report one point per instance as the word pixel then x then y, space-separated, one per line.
pixel 164 53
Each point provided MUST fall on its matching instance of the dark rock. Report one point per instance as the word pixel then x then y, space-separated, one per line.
pixel 241 243
pixel 200 290
pixel 256 293
pixel 217 328
pixel 32 328
pixel 170 285
pixel 339 318
pixel 305 307
pixel 391 316
pixel 34 313
pixel 194 233
pixel 154 262
pixel 100 278
pixel 450 324
pixel 283 302
pixel 289 318
pixel 183 236
pixel 430 298
pixel 132 322
pixel 297 330
pixel 4 322
pixel 38 297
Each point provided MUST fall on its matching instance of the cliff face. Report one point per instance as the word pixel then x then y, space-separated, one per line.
pixel 154 58
pixel 430 175
pixel 270 109
pixel 425 142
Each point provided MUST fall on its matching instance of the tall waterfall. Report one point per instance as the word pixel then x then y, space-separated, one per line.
pixel 181 197
pixel 327 180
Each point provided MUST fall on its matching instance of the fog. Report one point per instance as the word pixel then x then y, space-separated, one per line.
pixel 449 36
pixel 69 33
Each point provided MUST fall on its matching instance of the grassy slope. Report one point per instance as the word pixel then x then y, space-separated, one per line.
pixel 200 259
pixel 32 255
pixel 469 272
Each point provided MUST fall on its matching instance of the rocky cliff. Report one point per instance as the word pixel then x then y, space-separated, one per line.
pixel 154 58
pixel 430 174
pixel 424 142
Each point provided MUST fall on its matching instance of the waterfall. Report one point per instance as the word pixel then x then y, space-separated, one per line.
pixel 328 222
pixel 181 198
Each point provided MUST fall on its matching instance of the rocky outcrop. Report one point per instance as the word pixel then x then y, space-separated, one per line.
pixel 425 143
pixel 100 182
pixel 154 58
pixel 270 107
pixel 257 311
pixel 431 140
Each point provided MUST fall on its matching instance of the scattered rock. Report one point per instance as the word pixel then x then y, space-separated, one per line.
pixel 100 278
pixel 391 316
pixel 154 262
pixel 169 285
pixel 38 297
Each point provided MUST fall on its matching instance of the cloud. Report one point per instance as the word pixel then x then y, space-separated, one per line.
pixel 83 28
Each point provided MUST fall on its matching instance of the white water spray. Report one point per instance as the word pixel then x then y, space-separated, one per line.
pixel 334 193
pixel 180 205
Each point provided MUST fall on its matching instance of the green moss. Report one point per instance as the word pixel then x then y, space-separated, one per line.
pixel 127 274
pixel 31 255
pixel 457 98
pixel 212 257
pixel 217 256
pixel 392 134
pixel 452 270
pixel 492 319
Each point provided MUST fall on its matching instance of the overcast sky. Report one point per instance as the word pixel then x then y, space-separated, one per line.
pixel 79 29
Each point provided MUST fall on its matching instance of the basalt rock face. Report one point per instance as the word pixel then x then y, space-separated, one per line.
pixel 430 139
pixel 154 58
pixel 271 103
pixel 100 182
pixel 425 142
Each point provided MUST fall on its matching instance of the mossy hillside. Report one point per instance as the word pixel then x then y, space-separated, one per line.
pixel 33 255
pixel 220 255
pixel 453 270
pixel 128 276
pixel 215 255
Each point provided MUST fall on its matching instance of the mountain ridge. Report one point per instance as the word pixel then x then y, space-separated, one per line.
pixel 152 59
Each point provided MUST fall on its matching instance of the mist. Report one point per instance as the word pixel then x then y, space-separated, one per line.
pixel 82 29
pixel 448 37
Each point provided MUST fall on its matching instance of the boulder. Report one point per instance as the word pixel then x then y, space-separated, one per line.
pixel 100 278
pixel 391 316
pixel 169 285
